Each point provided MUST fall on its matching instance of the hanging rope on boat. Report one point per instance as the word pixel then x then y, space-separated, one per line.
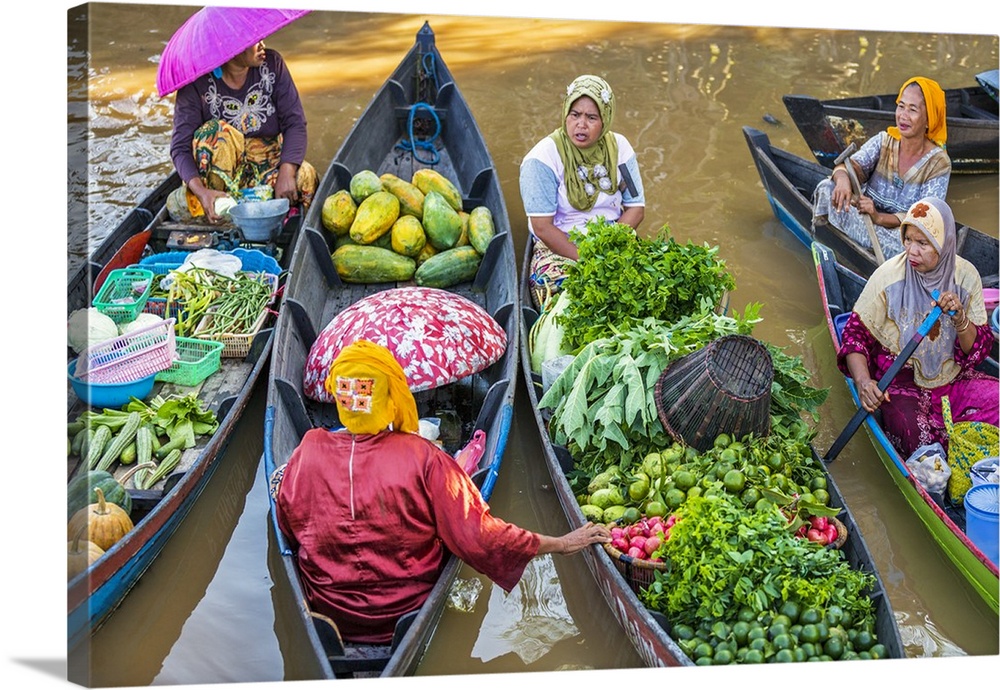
pixel 413 144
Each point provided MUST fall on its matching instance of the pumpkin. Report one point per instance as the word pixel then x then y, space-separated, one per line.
pixel 80 554
pixel 106 522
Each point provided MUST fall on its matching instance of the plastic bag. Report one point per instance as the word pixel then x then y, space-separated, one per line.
pixel 929 466
pixel 469 456
pixel 968 443
pixel 212 259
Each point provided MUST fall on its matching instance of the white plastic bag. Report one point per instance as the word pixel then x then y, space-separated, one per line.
pixel 929 466
pixel 212 259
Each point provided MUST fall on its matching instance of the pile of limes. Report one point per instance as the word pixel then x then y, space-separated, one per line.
pixel 791 634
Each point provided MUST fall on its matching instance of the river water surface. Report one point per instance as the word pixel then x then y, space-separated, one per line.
pixel 205 611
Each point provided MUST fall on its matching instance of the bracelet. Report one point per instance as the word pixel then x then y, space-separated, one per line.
pixel 964 327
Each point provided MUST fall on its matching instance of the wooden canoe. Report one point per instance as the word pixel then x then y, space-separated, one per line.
pixel 990 81
pixel 789 181
pixel 839 289
pixel 314 294
pixel 157 512
pixel 649 631
pixel 831 125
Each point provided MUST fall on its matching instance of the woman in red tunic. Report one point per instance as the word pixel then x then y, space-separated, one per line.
pixel 374 509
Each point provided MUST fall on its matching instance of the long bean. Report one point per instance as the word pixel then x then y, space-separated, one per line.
pixel 239 306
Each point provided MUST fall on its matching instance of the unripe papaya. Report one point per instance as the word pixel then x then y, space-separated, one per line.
pixel 441 222
pixel 481 228
pixel 339 210
pixel 364 184
pixel 411 199
pixel 448 268
pixel 359 263
pixel 407 236
pixel 463 237
pixel 430 180
pixel 375 217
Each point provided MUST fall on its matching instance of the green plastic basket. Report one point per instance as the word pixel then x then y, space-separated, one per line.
pixel 124 293
pixel 195 360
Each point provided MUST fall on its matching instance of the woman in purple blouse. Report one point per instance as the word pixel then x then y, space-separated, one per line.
pixel 240 126
pixel 888 312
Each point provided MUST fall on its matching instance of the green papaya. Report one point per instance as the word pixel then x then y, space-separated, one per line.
pixel 441 222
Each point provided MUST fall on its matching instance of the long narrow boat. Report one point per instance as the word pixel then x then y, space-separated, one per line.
pixel 990 81
pixel 421 89
pixel 839 289
pixel 145 231
pixel 789 181
pixel 831 125
pixel 649 631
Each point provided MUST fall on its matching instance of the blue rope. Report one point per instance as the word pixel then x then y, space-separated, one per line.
pixel 412 144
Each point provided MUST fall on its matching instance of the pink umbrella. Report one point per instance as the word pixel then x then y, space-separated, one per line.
pixel 213 36
pixel 438 337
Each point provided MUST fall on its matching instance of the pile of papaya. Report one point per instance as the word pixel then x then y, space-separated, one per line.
pixel 387 229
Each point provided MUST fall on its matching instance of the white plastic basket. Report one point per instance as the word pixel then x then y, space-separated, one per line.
pixel 129 357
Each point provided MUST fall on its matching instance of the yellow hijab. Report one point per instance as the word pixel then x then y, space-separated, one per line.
pixel 934 99
pixel 371 390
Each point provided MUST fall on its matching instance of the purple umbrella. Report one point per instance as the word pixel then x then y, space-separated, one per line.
pixel 213 36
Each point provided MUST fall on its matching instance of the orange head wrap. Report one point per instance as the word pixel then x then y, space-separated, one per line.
pixel 934 99
pixel 371 390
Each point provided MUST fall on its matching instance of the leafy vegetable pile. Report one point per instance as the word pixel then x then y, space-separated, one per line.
pixel 621 278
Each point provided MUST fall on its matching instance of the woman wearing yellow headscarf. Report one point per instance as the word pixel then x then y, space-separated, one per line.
pixel 573 175
pixel 373 510
pixel 895 168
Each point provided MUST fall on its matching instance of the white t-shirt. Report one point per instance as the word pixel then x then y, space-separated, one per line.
pixel 543 187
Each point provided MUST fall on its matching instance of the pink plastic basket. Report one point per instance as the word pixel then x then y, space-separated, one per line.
pixel 129 357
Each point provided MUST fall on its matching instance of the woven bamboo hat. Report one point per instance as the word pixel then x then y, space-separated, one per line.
pixel 725 387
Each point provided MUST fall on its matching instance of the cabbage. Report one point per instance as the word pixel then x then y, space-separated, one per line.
pixel 88 327
pixel 546 338
pixel 142 320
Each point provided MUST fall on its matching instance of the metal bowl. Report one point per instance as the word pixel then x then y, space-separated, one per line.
pixel 259 221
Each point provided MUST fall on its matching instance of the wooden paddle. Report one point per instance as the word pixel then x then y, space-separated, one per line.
pixel 129 253
pixel 856 192
pixel 904 356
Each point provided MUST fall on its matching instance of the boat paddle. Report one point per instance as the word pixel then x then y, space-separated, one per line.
pixel 844 158
pixel 883 383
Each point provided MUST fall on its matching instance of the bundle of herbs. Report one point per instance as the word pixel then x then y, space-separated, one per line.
pixel 621 278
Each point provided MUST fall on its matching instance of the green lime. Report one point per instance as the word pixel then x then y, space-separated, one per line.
pixel 863 641
pixel 684 480
pixel 703 650
pixel 695 491
pixel 776 629
pixel 775 461
pixel 721 629
pixel 758 643
pixel 799 654
pixel 728 459
pixel 734 481
pixel 810 615
pixel 754 656
pixel 784 656
pixel 834 646
pixel 746 614
pixel 809 649
pixel 877 651
pixel 757 632
pixel 741 632
pixel 791 610
pixel 782 619
pixel 822 496
pixel 631 515
pixel 809 633
pixel 783 641
pixel 818 482
pixel 655 508
pixel 750 496
pixel 638 489
pixel 763 504
pixel 673 499
pixel 683 632
pixel 835 615
pixel 722 657
pixel 722 441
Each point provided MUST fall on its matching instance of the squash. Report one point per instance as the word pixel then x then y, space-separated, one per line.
pixel 358 263
pixel 481 228
pixel 448 268
pixel 364 184
pixel 441 222
pixel 81 491
pixel 106 523
pixel 407 236
pixel 339 210
pixel 375 217
pixel 411 199
pixel 80 554
pixel 430 180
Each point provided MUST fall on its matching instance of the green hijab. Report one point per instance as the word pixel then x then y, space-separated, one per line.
pixel 591 170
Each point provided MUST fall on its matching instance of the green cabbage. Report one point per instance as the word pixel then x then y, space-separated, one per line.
pixel 546 338
pixel 88 327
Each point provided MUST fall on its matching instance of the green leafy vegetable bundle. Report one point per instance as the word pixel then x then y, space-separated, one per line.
pixel 621 278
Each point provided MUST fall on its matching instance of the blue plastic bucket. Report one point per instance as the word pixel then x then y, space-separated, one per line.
pixel 982 519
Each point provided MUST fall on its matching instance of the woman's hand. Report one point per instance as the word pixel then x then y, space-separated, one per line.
pixel 871 397
pixel 964 330
pixel 867 206
pixel 285 187
pixel 841 195
pixel 207 197
pixel 575 541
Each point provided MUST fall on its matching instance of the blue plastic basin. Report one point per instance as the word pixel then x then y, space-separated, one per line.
pixel 110 394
